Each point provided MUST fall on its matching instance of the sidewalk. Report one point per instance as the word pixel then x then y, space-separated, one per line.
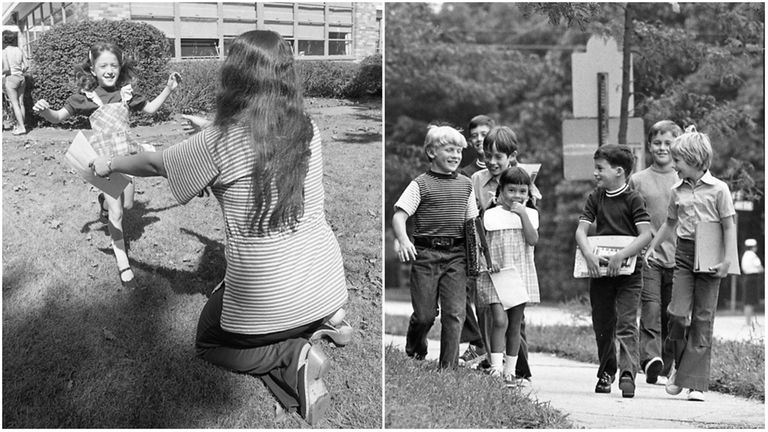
pixel 569 386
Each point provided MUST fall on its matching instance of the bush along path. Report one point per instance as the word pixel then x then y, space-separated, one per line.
pixel 569 386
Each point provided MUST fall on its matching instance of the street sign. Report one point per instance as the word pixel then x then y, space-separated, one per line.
pixel 580 139
pixel 602 56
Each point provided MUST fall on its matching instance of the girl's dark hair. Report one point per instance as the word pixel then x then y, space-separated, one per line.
pixel 10 38
pixel 259 88
pixel 84 78
pixel 516 176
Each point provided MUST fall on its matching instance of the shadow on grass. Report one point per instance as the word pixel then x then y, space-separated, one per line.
pixel 135 221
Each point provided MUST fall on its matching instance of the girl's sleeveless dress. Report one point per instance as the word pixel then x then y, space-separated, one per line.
pixel 110 124
pixel 507 246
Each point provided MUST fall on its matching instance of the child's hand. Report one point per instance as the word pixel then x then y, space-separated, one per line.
pixel 41 105
pixel 495 268
pixel 721 270
pixel 593 264
pixel 194 124
pixel 173 81
pixel 126 93
pixel 405 251
pixel 614 264
pixel 100 166
pixel 517 208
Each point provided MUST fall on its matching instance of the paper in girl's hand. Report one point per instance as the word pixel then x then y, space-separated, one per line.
pixel 509 286
pixel 80 154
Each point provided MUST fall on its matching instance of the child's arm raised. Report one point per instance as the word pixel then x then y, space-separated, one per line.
pixel 593 262
pixel 529 232
pixel 729 241
pixel 154 105
pixel 406 251
pixel 637 245
pixel 43 108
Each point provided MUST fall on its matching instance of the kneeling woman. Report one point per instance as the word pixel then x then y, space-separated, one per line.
pixel 284 280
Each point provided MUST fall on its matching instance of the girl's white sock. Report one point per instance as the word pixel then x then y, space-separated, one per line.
pixel 509 365
pixel 496 361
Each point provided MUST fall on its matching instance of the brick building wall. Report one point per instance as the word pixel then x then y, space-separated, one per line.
pixel 367 30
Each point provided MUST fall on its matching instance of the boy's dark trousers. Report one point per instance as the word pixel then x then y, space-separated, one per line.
pixel 614 317
pixel 470 332
pixel 654 317
pixel 438 275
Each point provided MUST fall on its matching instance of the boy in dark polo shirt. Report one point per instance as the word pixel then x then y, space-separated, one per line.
pixel 440 201
pixel 615 298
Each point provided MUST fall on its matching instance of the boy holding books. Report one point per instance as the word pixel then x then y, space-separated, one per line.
pixel 617 210
pixel 440 202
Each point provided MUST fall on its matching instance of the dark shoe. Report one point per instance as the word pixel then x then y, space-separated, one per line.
pixel 340 335
pixel 130 284
pixel 472 356
pixel 627 385
pixel 604 383
pixel 417 356
pixel 103 213
pixel 314 398
pixel 653 369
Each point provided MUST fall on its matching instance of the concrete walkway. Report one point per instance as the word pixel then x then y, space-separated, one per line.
pixel 569 386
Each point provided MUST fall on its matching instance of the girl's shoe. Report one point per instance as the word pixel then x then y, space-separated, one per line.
pixel 19 131
pixel 511 381
pixel 103 213
pixel 130 284
pixel 671 387
pixel 340 334
pixel 314 398
pixel 695 395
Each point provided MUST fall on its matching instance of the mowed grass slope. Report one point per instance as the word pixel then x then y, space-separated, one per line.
pixel 78 352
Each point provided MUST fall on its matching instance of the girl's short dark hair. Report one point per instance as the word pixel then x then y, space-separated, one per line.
pixel 516 176
pixel 617 155
pixel 503 138
pixel 10 38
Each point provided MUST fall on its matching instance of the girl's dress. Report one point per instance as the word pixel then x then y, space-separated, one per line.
pixel 508 248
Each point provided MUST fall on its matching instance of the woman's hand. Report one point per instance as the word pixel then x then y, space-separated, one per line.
pixel 173 81
pixel 41 105
pixel 194 124
pixel 101 166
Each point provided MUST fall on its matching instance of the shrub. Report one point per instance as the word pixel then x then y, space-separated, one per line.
pixel 197 93
pixel 56 53
pixel 322 78
pixel 367 81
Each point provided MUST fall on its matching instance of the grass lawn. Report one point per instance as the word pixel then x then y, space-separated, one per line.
pixel 418 395
pixel 80 353
pixel 737 367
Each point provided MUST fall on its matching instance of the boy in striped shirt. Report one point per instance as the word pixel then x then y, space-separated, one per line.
pixel 440 201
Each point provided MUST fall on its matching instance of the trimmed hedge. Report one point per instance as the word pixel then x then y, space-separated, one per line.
pixel 56 53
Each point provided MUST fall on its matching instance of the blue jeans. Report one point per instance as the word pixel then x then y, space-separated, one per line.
pixel 654 317
pixel 614 317
pixel 438 276
pixel 691 319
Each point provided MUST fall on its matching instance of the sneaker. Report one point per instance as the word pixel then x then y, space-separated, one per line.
pixel 524 382
pixel 511 381
pixel 604 383
pixel 627 385
pixel 695 395
pixel 417 356
pixel 653 369
pixel 494 372
pixel 340 334
pixel 671 387
pixel 314 398
pixel 661 380
pixel 472 357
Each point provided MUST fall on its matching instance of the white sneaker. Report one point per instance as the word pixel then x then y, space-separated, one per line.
pixel 661 380
pixel 671 387
pixel 695 395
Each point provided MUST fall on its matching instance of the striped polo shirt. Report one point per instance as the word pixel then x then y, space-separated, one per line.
pixel 275 281
pixel 439 204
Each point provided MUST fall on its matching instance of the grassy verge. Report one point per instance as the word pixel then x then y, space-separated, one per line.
pixel 419 396
pixel 738 368
pixel 79 353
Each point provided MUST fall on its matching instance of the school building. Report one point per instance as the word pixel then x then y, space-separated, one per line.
pixel 332 30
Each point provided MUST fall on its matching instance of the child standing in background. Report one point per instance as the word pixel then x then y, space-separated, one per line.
pixel 511 228
pixel 697 198
pixel 655 186
pixel 478 128
pixel 440 202
pixel 617 210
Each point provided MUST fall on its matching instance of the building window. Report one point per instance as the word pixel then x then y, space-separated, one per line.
pixel 340 43
pixel 171 47
pixel 311 47
pixel 199 48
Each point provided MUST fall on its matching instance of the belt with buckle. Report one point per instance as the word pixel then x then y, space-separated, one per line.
pixel 436 242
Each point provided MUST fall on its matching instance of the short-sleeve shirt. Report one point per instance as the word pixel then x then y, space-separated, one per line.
pixel 708 200
pixel 617 212
pixel 656 187
pixel 79 104
pixel 485 185
pixel 274 281
pixel 439 204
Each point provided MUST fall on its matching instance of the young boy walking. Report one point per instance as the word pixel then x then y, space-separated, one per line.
pixel 440 202
pixel 655 186
pixel 617 210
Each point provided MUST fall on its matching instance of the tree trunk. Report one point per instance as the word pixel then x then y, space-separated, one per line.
pixel 626 70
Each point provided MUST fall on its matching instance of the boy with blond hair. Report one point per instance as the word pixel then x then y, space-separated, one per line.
pixel 440 201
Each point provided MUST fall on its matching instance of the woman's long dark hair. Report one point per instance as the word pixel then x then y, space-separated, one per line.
pixel 260 89
pixel 84 79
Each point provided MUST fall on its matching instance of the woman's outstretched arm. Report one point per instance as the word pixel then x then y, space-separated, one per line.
pixel 145 164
